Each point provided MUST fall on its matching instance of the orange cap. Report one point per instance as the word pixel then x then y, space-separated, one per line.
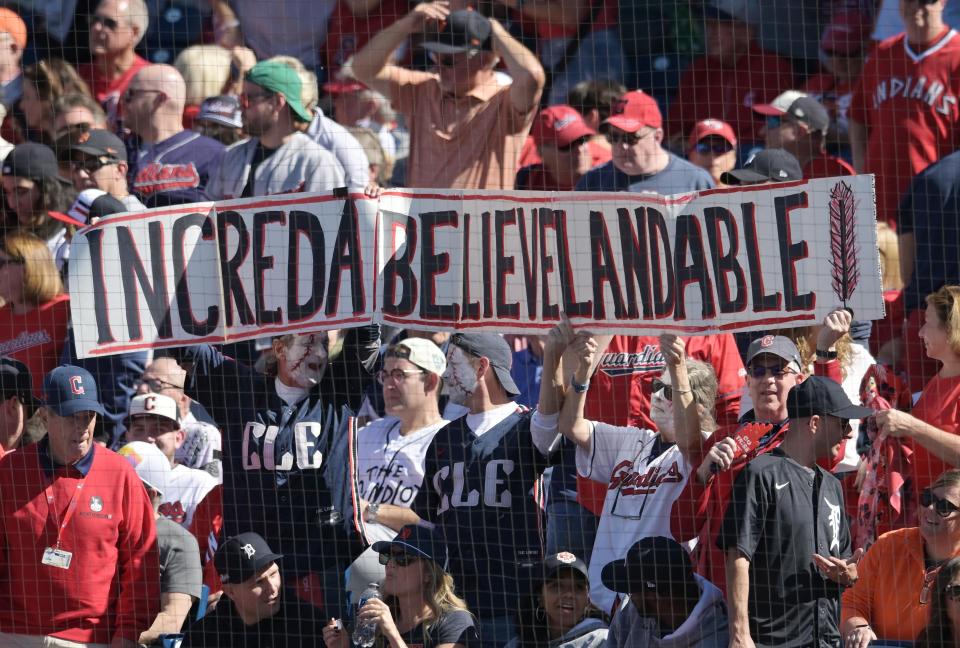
pixel 13 24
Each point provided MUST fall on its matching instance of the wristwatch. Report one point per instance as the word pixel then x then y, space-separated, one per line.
pixel 578 388
pixel 826 355
pixel 370 516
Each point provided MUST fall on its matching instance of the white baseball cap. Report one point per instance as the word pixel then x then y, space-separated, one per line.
pixel 421 352
pixel 155 405
pixel 152 466
pixel 780 104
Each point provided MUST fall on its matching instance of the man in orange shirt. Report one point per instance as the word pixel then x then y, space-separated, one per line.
pixel 466 126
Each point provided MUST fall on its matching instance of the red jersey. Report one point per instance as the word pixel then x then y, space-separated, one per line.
pixel 827 166
pixel 707 90
pixel 347 32
pixel 835 96
pixel 36 338
pixel 112 585
pixel 108 92
pixel 908 102
pixel 939 406
pixel 622 385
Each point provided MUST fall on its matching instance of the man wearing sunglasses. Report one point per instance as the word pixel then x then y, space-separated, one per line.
pixel 640 162
pixel 115 28
pixel 564 142
pixel 98 160
pixel 466 127
pixel 712 146
pixel 785 533
pixel 799 125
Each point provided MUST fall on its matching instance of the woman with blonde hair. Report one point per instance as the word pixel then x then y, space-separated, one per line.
pixel 419 605
pixel 33 321
pixel 209 71
pixel 44 82
pixel 932 429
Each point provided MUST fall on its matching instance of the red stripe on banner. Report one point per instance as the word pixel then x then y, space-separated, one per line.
pixel 584 197
pixel 545 326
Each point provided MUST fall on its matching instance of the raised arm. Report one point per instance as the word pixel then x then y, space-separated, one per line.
pixel 686 411
pixel 522 65
pixel 572 424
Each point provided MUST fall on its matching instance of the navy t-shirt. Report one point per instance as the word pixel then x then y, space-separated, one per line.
pixel 175 171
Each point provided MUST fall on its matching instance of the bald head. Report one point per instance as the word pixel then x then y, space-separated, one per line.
pixel 163 79
pixel 154 102
pixel 165 376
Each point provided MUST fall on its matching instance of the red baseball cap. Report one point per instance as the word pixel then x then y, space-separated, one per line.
pixel 847 34
pixel 559 126
pixel 707 127
pixel 633 111
pixel 343 86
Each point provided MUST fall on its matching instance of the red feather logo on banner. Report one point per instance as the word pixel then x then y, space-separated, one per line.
pixel 843 241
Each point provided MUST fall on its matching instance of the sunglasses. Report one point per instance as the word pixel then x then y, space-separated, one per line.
pixel 626 138
pixel 659 385
pixel 952 592
pixel 109 23
pixel 449 60
pixel 5 262
pixel 133 92
pixel 247 98
pixel 944 508
pixel 91 165
pixel 574 145
pixel 399 559
pixel 774 122
pixel 760 371
pixel 719 148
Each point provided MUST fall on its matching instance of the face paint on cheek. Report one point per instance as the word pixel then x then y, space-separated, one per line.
pixel 460 378
pixel 306 359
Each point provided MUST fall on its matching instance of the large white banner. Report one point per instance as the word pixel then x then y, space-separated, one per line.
pixel 722 260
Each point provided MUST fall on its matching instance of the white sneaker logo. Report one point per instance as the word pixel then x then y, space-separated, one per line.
pixel 781 486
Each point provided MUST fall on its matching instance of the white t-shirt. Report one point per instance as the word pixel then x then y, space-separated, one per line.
pixel 642 487
pixel 390 466
pixel 186 488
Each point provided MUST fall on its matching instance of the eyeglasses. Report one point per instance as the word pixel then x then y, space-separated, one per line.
pixel 574 145
pixel 130 93
pixel 952 592
pixel 397 375
pixel 944 508
pixel 759 371
pixel 719 148
pixel 626 138
pixel 247 98
pixel 400 559
pixel 449 60
pixel 156 384
pixel 5 262
pixel 109 23
pixel 659 385
pixel 91 164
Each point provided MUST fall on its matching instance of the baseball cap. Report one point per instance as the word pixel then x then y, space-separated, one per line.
pixel 821 396
pixel 242 556
pixel 154 405
pixel 708 127
pixel 807 110
pixel 778 345
pixel 563 560
pixel 727 10
pixel 281 78
pixel 101 143
pixel 343 86
pixel 89 205
pixel 222 109
pixel 463 31
pixel 69 389
pixel 493 347
pixel 769 165
pixel 653 564
pixel 13 24
pixel 151 465
pixel 847 33
pixel 423 353
pixel 633 111
pixel 31 160
pixel 559 126
pixel 15 380
pixel 780 104
pixel 418 540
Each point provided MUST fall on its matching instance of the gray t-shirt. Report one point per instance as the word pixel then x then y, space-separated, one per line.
pixel 180 569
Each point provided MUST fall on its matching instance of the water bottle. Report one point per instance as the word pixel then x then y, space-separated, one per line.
pixel 365 632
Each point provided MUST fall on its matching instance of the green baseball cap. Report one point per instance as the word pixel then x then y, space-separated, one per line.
pixel 283 79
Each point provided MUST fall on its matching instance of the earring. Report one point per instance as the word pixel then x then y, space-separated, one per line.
pixel 539 614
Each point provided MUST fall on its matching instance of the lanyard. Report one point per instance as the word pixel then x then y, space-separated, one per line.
pixel 68 513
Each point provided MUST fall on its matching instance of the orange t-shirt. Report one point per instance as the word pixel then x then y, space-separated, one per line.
pixel 36 338
pixel 939 406
pixel 887 593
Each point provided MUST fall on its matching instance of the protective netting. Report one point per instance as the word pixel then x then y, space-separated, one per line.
pixel 301 296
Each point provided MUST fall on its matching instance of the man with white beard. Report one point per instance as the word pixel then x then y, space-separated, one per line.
pixel 277 433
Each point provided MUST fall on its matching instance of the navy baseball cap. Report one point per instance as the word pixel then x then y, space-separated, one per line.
pixel 419 540
pixel 493 347
pixel 778 345
pixel 242 556
pixel 563 561
pixel 69 389
pixel 653 564
pixel 100 143
pixel 769 165
pixel 463 31
pixel 821 396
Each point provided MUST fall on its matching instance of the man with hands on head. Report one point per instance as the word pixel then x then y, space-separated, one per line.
pixel 645 470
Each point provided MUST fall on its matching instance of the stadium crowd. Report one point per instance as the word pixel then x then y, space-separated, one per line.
pixel 791 487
